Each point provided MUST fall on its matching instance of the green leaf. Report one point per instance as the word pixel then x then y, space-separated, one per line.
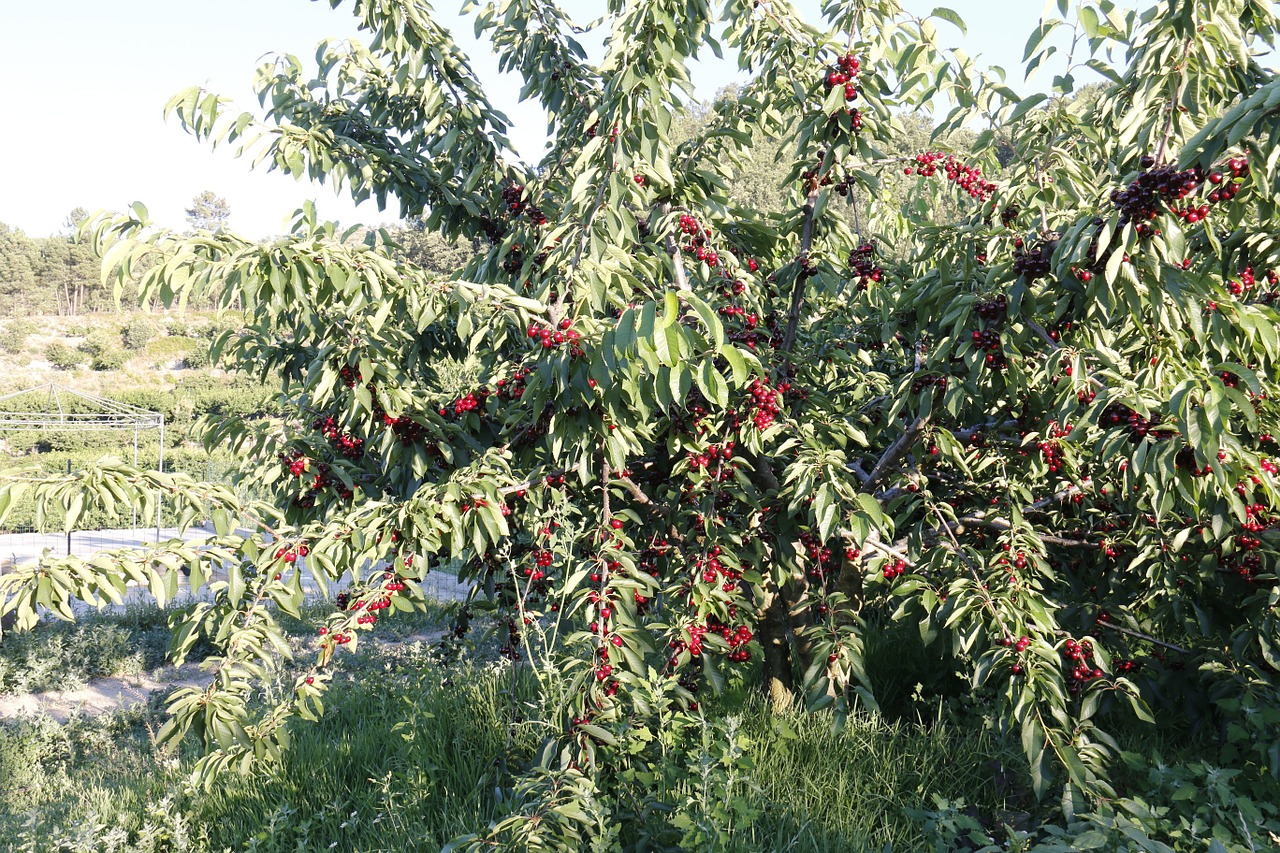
pixel 950 17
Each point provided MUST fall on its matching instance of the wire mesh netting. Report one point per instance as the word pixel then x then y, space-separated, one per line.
pixel 51 416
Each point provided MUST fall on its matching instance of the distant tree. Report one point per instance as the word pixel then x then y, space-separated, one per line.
pixel 20 290
pixel 208 212
pixel 70 270
pixel 428 249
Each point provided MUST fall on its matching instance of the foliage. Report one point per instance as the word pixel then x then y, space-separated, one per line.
pixel 366 773
pixel 1180 808
pixel 61 656
pixel 62 356
pixel 1032 416
pixel 137 332
pixel 208 212
pixel 163 352
pixel 14 334
pixel 110 358
pixel 197 358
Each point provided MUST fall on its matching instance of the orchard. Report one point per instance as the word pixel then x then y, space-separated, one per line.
pixel 1020 395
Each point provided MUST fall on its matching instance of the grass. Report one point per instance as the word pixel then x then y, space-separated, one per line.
pixel 412 754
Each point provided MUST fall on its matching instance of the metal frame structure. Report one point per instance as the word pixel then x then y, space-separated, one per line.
pixel 104 415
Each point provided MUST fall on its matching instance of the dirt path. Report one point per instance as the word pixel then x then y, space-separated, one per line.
pixel 110 694
pixel 103 694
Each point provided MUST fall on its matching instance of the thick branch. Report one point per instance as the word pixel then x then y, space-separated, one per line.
pixel 802 271
pixel 893 454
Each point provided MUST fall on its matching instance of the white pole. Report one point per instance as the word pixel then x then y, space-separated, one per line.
pixel 159 494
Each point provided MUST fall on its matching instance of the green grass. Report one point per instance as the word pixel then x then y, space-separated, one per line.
pixel 412 754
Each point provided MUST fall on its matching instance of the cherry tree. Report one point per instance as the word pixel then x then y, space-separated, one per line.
pixel 673 441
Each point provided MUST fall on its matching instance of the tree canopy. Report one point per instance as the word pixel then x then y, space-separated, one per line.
pixel 1018 391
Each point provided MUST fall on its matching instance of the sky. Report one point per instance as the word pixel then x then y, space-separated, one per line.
pixel 87 82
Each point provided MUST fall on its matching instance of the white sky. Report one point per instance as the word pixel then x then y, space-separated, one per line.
pixel 87 81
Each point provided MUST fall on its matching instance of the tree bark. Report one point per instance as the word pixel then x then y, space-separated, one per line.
pixel 779 682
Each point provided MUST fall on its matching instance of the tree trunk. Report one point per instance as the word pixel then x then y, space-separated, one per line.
pixel 779 682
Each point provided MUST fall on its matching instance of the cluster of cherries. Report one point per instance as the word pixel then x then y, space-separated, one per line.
pixel 542 560
pixel 345 443
pixel 1185 460
pixel 554 338
pixel 737 638
pixel 863 266
pixel 1032 263
pixel 406 429
pixel 988 341
pixel 1155 186
pixel 937 383
pixel 467 403
pixel 993 310
pixel 323 480
pixel 1019 645
pixel 767 403
pixel 513 197
pixel 698 242
pixel 1248 280
pixel 291 554
pixel 711 570
pixel 1082 670
pixel 1138 427
pixel 296 461
pixel 1050 448
pixel 1159 186
pixel 349 375
pixel 711 455
pixel 967 178
pixel 819 554
pixel 841 74
pixel 513 388
pixel 894 568
pixel 1221 191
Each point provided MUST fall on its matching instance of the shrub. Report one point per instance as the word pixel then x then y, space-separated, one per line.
pixel 11 343
pixel 78 330
pixel 137 333
pixel 179 328
pixel 163 352
pixel 13 337
pixel 95 342
pixel 62 356
pixel 109 359
pixel 198 358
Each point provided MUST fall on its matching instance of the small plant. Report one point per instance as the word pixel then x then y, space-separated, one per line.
pixel 63 357
pixel 95 342
pixel 137 333
pixel 109 359
pixel 13 337
pixel 197 358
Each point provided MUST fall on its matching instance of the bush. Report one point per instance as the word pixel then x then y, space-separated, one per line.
pixel 198 358
pixel 109 359
pixel 13 337
pixel 163 352
pixel 137 333
pixel 179 329
pixel 78 330
pixel 62 356
pixel 96 342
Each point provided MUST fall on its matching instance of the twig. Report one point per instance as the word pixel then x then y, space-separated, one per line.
pixel 1172 109
pixel 1141 636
